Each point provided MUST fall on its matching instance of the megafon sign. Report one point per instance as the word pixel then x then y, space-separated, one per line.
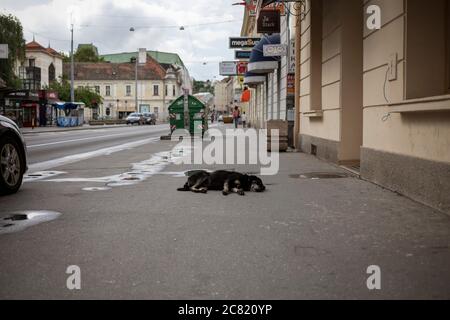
pixel 243 42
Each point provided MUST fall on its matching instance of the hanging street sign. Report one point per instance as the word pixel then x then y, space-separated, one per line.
pixel 228 68
pixel 242 54
pixel 242 68
pixel 275 50
pixel 243 42
pixel 269 22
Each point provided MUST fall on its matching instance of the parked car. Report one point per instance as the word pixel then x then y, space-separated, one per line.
pixel 13 157
pixel 135 118
pixel 220 119
pixel 149 118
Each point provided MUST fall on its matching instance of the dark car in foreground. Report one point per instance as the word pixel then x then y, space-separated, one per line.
pixel 13 157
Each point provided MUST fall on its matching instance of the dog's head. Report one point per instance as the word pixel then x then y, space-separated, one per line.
pixel 256 184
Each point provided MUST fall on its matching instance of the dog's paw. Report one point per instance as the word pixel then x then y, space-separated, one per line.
pixel 225 193
pixel 241 193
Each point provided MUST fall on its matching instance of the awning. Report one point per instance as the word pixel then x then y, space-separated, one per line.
pixel 254 78
pixel 260 64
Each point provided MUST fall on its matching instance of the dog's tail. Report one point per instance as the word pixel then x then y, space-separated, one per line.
pixel 185 188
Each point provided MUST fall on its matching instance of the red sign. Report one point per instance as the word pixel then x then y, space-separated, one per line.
pixel 291 84
pixel 242 67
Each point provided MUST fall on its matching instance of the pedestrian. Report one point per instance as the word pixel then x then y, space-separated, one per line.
pixel 236 116
pixel 244 120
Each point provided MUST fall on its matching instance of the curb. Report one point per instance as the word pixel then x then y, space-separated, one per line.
pixel 73 129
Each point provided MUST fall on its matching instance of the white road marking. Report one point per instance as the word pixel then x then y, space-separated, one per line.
pixel 83 139
pixel 43 166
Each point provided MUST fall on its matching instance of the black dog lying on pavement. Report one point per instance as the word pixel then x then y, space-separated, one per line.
pixel 225 181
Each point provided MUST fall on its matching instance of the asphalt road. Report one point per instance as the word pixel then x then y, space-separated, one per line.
pixel 53 145
pixel 106 201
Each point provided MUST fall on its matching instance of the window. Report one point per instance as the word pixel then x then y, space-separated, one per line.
pixel 97 89
pixel 108 91
pixel 167 90
pixel 156 90
pixel 427 51
pixel 174 90
pixel 32 62
pixel 51 73
pixel 128 91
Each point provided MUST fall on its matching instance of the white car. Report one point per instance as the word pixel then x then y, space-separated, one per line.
pixel 135 118
pixel 220 119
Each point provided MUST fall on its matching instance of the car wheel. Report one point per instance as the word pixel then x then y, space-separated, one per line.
pixel 11 166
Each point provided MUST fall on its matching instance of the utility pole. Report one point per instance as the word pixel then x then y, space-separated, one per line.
pixel 136 85
pixel 72 67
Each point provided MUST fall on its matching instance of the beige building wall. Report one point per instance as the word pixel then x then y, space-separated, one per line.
pixel 43 61
pixel 220 96
pixel 380 97
pixel 120 101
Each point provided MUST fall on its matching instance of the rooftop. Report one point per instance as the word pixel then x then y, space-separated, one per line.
pixel 115 71
pixel 164 58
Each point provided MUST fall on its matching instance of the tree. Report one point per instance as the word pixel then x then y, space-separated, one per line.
pixel 86 95
pixel 203 86
pixel 11 33
pixel 87 54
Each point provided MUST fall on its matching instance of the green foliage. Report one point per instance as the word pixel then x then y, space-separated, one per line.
pixel 87 54
pixel 11 33
pixel 86 95
pixel 203 86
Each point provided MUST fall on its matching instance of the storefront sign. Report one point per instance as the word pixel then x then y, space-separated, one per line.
pixel 24 95
pixel 275 50
pixel 242 54
pixel 243 42
pixel 228 68
pixel 291 60
pixel 269 22
pixel 291 84
pixel 4 53
pixel 242 68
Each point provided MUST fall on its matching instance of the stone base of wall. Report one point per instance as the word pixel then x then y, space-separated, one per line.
pixel 325 149
pixel 425 181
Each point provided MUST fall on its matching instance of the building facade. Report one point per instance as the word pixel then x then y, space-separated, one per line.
pixel 40 67
pixel 373 95
pixel 115 82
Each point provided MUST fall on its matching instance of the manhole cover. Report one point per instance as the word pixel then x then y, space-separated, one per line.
pixel 319 175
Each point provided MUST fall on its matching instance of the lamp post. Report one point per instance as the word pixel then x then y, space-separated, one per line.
pixel 72 67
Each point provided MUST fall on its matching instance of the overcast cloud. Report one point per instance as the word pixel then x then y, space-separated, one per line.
pixel 106 23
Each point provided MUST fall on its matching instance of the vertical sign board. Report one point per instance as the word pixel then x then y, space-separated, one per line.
pixel 242 68
pixel 4 53
pixel 291 84
pixel 291 58
pixel 269 22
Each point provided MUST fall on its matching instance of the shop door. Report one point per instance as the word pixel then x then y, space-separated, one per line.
pixel 29 117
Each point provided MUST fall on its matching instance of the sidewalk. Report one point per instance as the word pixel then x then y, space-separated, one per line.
pixel 312 238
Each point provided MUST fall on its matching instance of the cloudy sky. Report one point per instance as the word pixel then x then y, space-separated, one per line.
pixel 106 23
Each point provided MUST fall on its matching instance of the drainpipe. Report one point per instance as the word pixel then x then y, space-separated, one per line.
pixel 297 76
